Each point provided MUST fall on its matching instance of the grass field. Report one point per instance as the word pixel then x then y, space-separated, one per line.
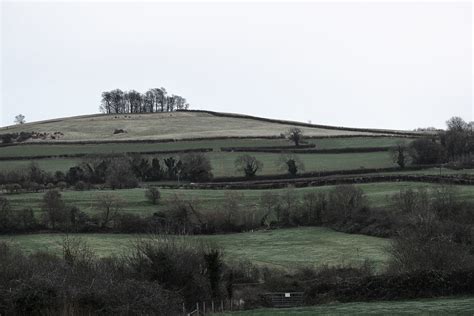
pixel 223 162
pixel 282 248
pixel 438 306
pixel 205 200
pixel 27 150
pixel 176 125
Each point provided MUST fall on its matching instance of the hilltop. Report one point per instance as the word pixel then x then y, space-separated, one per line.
pixel 175 126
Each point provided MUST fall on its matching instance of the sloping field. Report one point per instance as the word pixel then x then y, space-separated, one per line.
pixel 282 248
pixel 176 125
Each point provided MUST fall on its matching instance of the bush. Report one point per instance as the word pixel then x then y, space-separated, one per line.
pixel 196 167
pixel 153 195
pixel 426 151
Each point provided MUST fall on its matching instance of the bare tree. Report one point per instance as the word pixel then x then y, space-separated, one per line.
pixel 20 119
pixel 248 164
pixel 109 205
pixel 295 135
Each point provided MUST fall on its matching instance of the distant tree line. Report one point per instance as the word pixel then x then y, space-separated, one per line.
pixel 154 100
pixel 115 172
pixel 455 146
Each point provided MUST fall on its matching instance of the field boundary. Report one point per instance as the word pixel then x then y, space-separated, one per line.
pixel 294 123
pixel 324 181
pixel 111 154
pixel 302 150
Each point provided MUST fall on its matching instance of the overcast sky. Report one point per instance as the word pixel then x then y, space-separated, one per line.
pixel 385 65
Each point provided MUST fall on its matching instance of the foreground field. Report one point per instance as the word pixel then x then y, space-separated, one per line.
pixel 440 306
pixel 282 248
pixel 210 200
pixel 174 125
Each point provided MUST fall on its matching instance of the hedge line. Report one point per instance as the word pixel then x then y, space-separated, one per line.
pixel 134 141
pixel 79 155
pixel 392 287
pixel 317 174
pixel 301 150
pixel 261 148
pixel 323 181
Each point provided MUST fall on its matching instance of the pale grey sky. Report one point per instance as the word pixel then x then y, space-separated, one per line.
pixel 386 65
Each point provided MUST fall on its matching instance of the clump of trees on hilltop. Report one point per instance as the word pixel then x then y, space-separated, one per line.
pixel 154 100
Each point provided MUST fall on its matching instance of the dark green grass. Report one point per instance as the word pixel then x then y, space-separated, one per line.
pixel 211 200
pixel 281 248
pixel 28 150
pixel 223 163
pixel 437 306
pixel 354 142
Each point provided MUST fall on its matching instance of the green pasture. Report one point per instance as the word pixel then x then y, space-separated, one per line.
pixel 134 200
pixel 29 150
pixel 282 248
pixel 175 125
pixel 223 163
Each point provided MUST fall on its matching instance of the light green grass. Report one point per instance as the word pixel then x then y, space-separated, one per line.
pixel 282 248
pixel 355 142
pixel 212 200
pixel 437 306
pixel 48 165
pixel 177 125
pixel 28 150
pixel 223 163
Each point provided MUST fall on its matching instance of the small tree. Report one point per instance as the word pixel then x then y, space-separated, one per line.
pixel 119 175
pixel 53 208
pixel 109 205
pixel 20 119
pixel 399 155
pixel 196 167
pixel 249 165
pixel 153 195
pixel 290 163
pixel 295 135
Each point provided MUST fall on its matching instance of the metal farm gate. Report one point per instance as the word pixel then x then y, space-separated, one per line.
pixel 285 299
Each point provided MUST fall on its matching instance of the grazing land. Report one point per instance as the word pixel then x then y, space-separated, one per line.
pixel 31 150
pixel 210 200
pixel 281 248
pixel 440 306
pixel 223 163
pixel 176 125
pixel 233 221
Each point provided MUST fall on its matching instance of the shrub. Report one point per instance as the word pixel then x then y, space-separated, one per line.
pixel 196 167
pixel 249 165
pixel 153 195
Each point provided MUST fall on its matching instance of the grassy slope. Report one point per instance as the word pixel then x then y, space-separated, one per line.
pixel 177 125
pixel 208 200
pixel 439 306
pixel 283 248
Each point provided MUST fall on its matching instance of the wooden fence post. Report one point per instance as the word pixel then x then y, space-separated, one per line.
pixel 212 306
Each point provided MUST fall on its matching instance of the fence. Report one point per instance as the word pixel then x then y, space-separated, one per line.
pixel 274 299
pixel 211 307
